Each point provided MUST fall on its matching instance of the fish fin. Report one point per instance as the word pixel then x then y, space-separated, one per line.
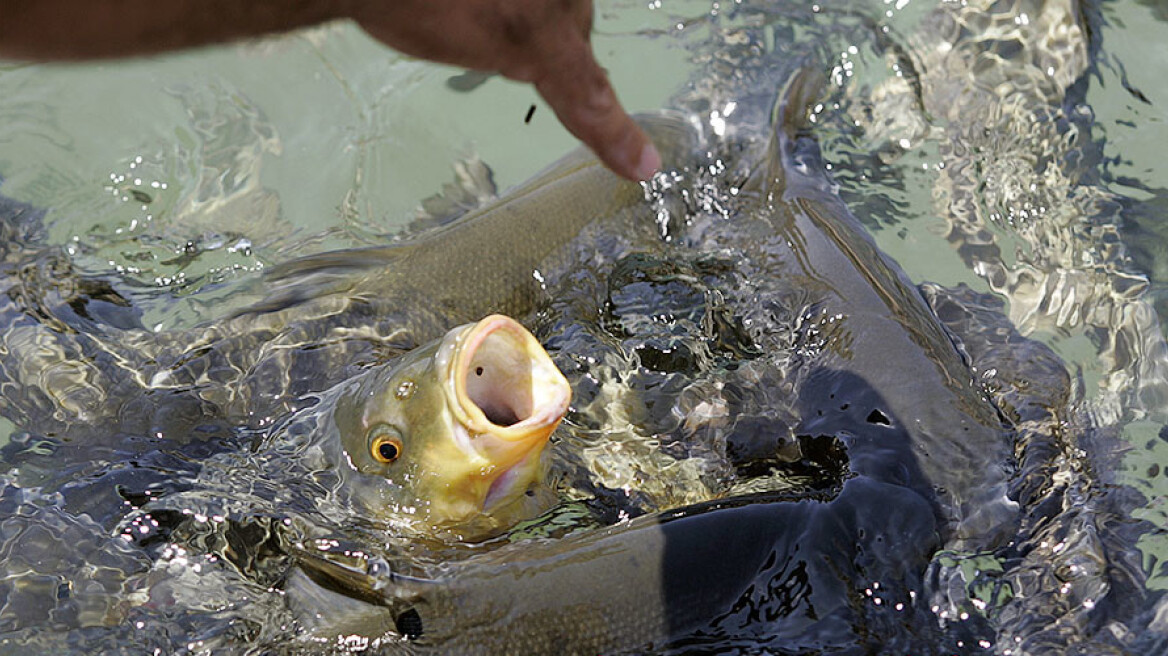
pixel 290 283
pixel 375 583
pixel 789 119
pixel 325 614
pixel 473 186
pixel 331 598
pixel 675 135
pixel 336 263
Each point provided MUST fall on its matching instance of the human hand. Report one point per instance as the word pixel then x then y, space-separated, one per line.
pixel 543 42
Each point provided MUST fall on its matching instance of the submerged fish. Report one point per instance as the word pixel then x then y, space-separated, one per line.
pixel 926 465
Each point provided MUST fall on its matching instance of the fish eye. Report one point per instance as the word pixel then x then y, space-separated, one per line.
pixel 386 445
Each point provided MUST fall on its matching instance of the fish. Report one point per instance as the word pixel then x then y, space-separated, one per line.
pixel 655 581
pixel 927 466
pixel 373 350
pixel 451 434
pixel 443 443
pixel 315 320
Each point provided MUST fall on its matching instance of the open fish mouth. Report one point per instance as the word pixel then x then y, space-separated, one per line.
pixel 507 396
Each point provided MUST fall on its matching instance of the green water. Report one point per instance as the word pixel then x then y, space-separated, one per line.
pixel 320 138
pixel 253 153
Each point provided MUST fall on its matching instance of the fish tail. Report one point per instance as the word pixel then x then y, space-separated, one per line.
pixel 790 119
pixel 791 114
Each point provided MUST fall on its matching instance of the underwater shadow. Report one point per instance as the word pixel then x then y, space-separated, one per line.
pixel 843 574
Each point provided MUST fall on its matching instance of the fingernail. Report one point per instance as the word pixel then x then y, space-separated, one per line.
pixel 649 163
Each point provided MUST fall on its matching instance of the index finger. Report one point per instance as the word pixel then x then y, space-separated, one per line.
pixel 578 91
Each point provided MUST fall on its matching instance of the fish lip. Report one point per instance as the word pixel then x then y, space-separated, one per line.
pixel 526 383
pixel 504 483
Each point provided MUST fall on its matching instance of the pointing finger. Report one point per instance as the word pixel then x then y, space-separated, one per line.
pixel 580 94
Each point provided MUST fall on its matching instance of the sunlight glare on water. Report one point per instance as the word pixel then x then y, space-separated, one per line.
pixel 202 170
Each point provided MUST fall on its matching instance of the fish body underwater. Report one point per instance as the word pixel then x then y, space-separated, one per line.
pixel 431 427
pixel 926 456
pixel 935 436
pixel 452 433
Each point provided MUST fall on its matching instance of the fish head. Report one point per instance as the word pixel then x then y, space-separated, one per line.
pixel 453 434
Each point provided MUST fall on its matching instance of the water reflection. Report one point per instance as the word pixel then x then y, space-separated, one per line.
pixel 706 363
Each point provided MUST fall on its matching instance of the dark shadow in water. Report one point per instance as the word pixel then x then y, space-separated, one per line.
pixel 814 575
pixel 20 224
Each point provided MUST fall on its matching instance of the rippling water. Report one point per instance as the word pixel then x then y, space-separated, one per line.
pixel 178 180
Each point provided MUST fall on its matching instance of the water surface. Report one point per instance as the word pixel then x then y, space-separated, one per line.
pixel 323 139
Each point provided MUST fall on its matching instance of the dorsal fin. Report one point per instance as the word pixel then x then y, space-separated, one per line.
pixel 473 187
pixel 383 588
pixel 290 283
pixel 338 262
pixel 789 118
pixel 324 613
